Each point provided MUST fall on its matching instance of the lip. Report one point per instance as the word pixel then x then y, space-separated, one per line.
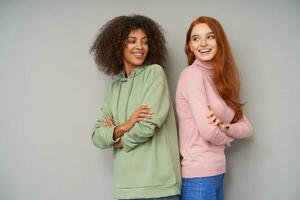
pixel 138 54
pixel 204 51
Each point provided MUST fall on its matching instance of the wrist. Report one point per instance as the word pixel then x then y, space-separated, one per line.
pixel 119 131
pixel 127 126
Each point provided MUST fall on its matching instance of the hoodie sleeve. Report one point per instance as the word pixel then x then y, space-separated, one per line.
pixel 156 95
pixel 193 88
pixel 102 137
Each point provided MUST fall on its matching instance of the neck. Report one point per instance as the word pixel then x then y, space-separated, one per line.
pixel 207 67
pixel 128 69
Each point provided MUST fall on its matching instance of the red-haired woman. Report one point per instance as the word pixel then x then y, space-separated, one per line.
pixel 209 110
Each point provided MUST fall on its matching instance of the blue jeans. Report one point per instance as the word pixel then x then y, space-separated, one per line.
pixel 204 188
pixel 175 197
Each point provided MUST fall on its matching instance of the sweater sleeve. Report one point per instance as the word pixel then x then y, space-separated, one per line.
pixel 194 91
pixel 102 137
pixel 240 129
pixel 156 95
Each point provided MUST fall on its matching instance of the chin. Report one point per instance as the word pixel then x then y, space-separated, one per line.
pixel 205 59
pixel 139 62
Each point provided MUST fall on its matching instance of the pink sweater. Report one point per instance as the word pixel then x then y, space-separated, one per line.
pixel 202 144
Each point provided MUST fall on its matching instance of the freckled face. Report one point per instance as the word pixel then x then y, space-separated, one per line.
pixel 203 42
pixel 136 49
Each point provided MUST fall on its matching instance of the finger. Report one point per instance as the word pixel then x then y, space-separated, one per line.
pixel 210 113
pixel 140 119
pixel 212 119
pixel 139 111
pixel 144 107
pixel 220 125
pixel 145 110
pixel 224 128
pixel 104 124
pixel 118 145
pixel 216 122
pixel 144 115
pixel 111 119
pixel 110 122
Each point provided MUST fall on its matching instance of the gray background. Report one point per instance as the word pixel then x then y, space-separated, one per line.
pixel 51 93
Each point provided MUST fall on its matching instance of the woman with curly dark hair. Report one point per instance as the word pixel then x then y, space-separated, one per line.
pixel 137 119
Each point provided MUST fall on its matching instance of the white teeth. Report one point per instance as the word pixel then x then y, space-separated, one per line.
pixel 205 50
pixel 138 54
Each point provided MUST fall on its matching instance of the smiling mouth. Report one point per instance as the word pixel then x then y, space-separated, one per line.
pixel 138 54
pixel 205 51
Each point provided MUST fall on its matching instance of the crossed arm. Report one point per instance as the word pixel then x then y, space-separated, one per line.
pixel 238 130
pixel 142 123
pixel 141 113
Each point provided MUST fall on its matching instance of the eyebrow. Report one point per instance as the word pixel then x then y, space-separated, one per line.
pixel 206 34
pixel 145 37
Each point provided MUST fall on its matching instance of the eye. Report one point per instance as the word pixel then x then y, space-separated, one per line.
pixel 195 39
pixel 131 41
pixel 211 37
pixel 145 42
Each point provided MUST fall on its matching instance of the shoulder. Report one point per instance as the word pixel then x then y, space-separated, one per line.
pixel 191 73
pixel 154 72
pixel 115 83
pixel 154 68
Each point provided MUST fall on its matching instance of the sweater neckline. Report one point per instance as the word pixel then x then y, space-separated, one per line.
pixel 134 73
pixel 206 67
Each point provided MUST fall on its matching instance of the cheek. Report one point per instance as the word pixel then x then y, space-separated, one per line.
pixel 193 47
pixel 215 45
pixel 147 50
pixel 190 46
pixel 128 47
pixel 125 52
pixel 216 49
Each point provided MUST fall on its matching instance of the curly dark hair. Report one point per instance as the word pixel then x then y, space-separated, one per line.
pixel 108 46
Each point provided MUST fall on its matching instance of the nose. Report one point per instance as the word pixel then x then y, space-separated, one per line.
pixel 203 42
pixel 139 45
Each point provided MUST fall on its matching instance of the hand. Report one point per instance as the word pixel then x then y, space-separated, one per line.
pixel 118 144
pixel 108 122
pixel 140 114
pixel 212 118
pixel 217 122
pixel 223 127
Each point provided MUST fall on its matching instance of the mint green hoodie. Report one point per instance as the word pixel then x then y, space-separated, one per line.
pixel 148 165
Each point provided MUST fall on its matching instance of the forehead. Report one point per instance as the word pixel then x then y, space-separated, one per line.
pixel 201 29
pixel 139 33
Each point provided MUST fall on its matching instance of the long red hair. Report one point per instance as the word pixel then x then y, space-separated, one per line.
pixel 226 77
